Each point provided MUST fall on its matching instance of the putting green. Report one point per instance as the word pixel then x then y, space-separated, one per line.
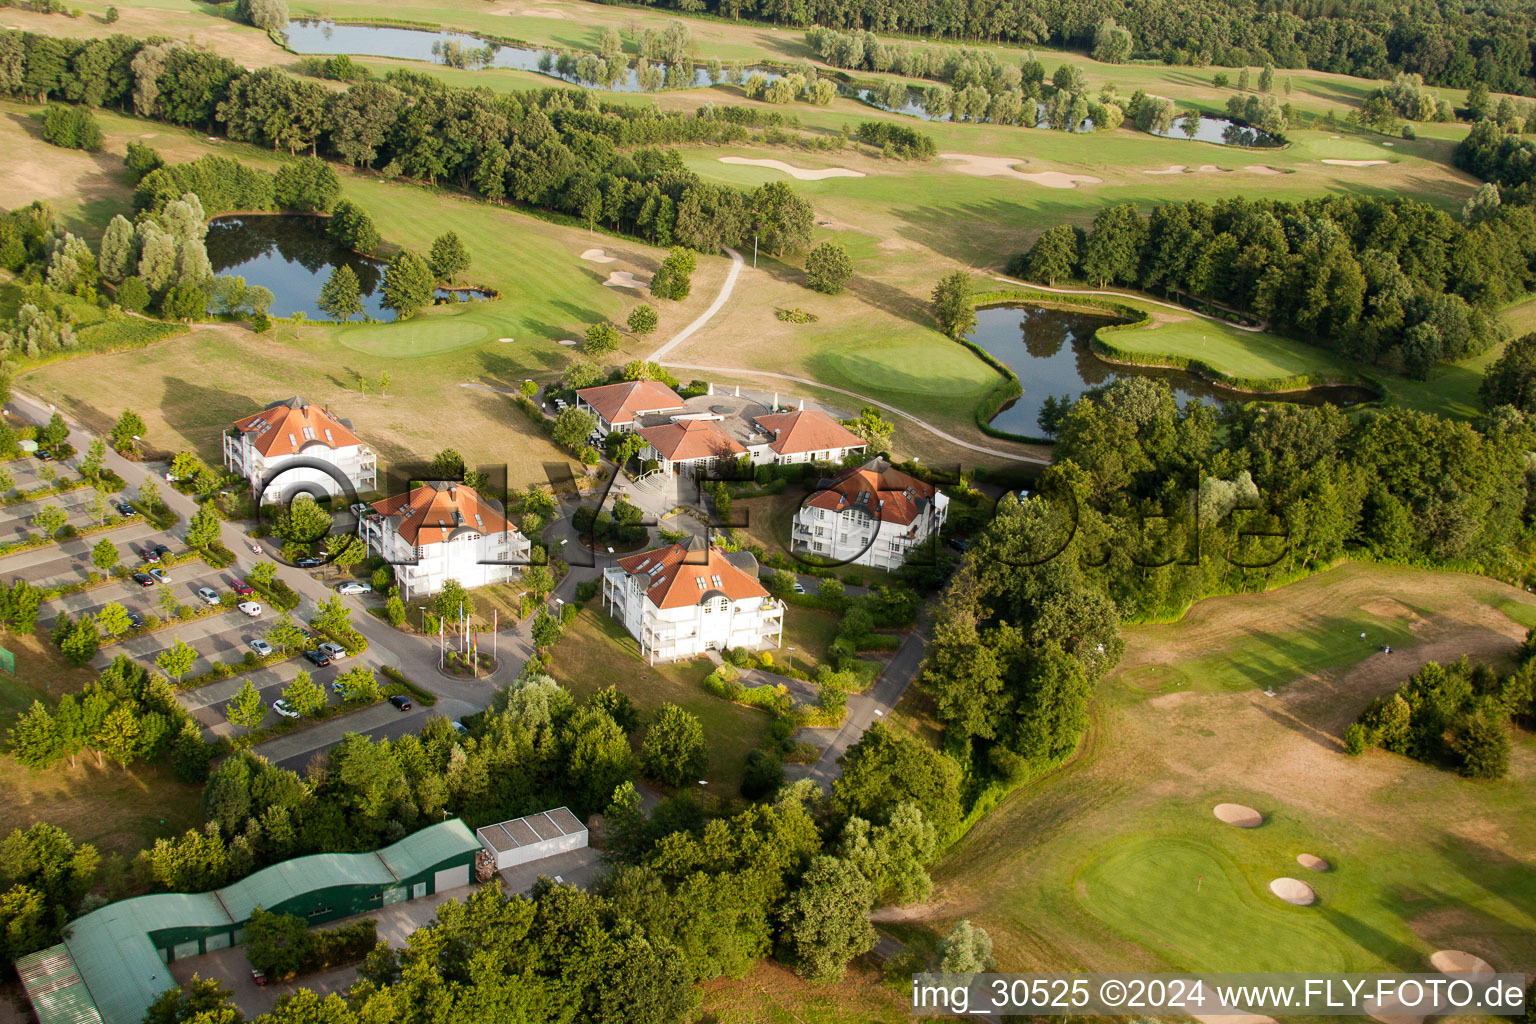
pixel 415 337
pixel 1200 910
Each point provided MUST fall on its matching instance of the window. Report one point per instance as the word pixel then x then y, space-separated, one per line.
pixel 715 579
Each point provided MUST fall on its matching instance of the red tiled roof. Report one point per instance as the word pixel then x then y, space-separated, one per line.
pixel 618 403
pixel 808 430
pixel 675 583
pixel 691 439
pixel 434 512
pixel 887 494
pixel 290 426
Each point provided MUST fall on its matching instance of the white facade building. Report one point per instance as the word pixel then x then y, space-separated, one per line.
pixel 806 435
pixel 534 837
pixel 282 443
pixel 870 515
pixel 444 531
pixel 681 601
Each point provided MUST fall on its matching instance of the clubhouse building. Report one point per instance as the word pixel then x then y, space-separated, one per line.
pixel 682 600
pixel 292 447
pixel 871 515
pixel 443 531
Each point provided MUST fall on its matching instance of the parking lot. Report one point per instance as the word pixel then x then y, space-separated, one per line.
pixel 70 560
pixel 206 703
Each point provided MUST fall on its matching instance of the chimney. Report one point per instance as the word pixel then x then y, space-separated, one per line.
pixel 775 400
pixel 802 405
pixel 452 490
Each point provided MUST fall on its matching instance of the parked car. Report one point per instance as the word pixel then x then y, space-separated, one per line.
pixel 334 651
pixel 282 708
pixel 317 658
pixel 160 576
pixel 162 550
pixel 261 647
pixel 459 728
pixel 44 455
pixel 309 562
pixel 401 703
pixel 143 579
pixel 354 587
pixel 208 594
pixel 250 608
pixel 242 588
pixel 258 977
pixel 126 510
pixel 799 587
pixel 149 554
pixel 135 620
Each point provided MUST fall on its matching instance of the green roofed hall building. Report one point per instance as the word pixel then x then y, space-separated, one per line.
pixel 112 963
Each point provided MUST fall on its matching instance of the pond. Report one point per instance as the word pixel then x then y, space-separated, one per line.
pixel 1049 350
pixel 326 37
pixel 1223 131
pixel 291 255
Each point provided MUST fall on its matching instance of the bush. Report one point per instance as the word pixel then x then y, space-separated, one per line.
pixel 643 319
pixel 1356 739
pixel 71 128
pixel 132 295
pixel 763 776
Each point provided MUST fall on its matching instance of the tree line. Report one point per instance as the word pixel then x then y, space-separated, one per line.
pixel 1449 44
pixel 559 149
pixel 1376 279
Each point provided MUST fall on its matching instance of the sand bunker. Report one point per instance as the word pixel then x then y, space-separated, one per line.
pixel 1260 169
pixel 1182 168
pixel 1002 167
pixel 801 173
pixel 1454 961
pixel 543 12
pixel 1293 890
pixel 1237 814
pixel 567 341
pixel 1210 169
pixel 1389 143
pixel 1352 163
pixel 1170 169
pixel 597 256
pixel 1310 862
pixel 624 279
pixel 506 341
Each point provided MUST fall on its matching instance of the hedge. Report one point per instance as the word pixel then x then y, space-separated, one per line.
pixel 426 697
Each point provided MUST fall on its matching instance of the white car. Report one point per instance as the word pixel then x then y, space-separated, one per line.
pixel 250 608
pixel 282 708
pixel 333 651
pixel 353 587
pixel 208 594
pixel 799 587
pixel 261 647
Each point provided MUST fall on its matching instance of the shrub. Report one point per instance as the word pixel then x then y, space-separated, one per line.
pixel 1356 739
pixel 643 319
pixel 763 776
pixel 71 128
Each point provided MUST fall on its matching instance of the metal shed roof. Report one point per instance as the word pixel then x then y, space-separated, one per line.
pixel 53 985
pixel 120 966
pixel 425 850
pixel 281 882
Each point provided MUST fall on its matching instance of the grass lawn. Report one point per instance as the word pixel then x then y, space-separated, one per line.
pixel 810 631
pixel 596 652
pixel 116 810
pixel 1265 659
pixel 1254 355
pixel 1115 861
pixel 771 994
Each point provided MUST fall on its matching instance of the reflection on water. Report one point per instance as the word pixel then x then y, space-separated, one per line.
pixel 325 37
pixel 291 255
pixel 1049 351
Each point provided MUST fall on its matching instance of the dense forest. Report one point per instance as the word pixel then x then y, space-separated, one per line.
pixel 1150 506
pixel 1377 279
pixel 1448 43
pixel 559 149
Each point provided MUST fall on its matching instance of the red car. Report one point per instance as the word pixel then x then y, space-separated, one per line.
pixel 241 587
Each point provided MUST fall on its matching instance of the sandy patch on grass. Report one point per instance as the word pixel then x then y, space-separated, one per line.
pixel 1211 169
pixel 1454 961
pixel 1239 815
pixel 1260 169
pixel 1312 863
pixel 624 279
pixel 567 341
pixel 1170 169
pixel 597 256
pixel 506 341
pixel 799 173
pixel 1293 890
pixel 546 12
pixel 1335 161
pixel 1389 143
pixel 1003 167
